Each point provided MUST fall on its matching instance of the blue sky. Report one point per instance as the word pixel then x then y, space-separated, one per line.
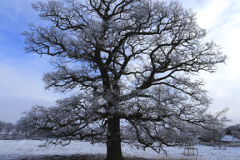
pixel 21 86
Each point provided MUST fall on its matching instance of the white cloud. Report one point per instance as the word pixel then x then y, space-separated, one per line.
pixel 210 16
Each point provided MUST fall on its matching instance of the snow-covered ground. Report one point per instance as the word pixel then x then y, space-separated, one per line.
pixel 13 149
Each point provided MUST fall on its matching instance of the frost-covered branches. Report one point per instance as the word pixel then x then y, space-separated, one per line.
pixel 66 79
pixel 159 39
pixel 164 116
pixel 77 117
pixel 136 57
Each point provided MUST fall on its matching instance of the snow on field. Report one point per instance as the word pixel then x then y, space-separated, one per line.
pixel 13 149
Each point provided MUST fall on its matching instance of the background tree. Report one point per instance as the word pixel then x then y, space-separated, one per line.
pixel 233 130
pixel 216 131
pixel 131 60
pixel 2 126
pixel 236 131
pixel 9 127
pixel 22 126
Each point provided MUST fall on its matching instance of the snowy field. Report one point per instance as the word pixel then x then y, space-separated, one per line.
pixel 27 149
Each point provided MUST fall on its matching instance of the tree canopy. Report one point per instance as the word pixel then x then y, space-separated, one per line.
pixel 133 63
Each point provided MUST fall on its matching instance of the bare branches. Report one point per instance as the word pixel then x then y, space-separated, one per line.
pixel 134 59
pixel 75 117
pixel 128 31
pixel 66 79
pixel 64 18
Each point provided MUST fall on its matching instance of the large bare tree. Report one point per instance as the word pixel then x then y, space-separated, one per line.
pixel 132 61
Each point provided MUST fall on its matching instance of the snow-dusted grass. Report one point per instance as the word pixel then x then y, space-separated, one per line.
pixel 13 149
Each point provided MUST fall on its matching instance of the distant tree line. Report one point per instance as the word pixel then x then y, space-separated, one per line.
pixel 191 133
pixel 6 127
pixel 15 131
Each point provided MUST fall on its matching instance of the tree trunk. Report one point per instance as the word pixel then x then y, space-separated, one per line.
pixel 114 151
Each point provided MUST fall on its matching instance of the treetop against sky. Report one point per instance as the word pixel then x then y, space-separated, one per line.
pixel 22 86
